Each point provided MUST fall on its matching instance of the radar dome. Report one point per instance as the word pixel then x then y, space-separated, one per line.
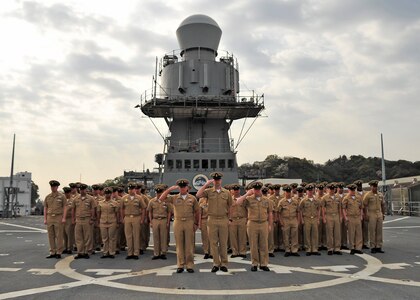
pixel 198 31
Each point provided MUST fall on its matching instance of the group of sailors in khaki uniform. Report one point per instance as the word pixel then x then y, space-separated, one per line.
pixel 310 217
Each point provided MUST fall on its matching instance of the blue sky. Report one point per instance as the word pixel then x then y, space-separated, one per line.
pixel 335 75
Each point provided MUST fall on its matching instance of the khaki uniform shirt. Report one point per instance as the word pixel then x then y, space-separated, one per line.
pixel 69 203
pixel 309 208
pixel 373 202
pixel 132 205
pixel 184 209
pixel 275 199
pixel 332 204
pixel 258 210
pixel 109 210
pixel 83 205
pixel 159 209
pixel 237 211
pixel 219 203
pixel 204 208
pixel 352 205
pixel 55 203
pixel 288 209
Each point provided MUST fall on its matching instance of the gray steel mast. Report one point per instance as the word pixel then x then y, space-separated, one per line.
pixel 198 96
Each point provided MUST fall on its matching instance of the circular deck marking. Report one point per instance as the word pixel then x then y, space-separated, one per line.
pixel 373 265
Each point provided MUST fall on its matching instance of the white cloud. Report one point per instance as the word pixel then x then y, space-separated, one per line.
pixel 335 75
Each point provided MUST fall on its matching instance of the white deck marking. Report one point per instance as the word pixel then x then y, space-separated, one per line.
pixel 10 269
pixel 397 266
pixel 220 273
pixel 25 227
pixel 42 271
pixel 402 227
pixel 395 220
pixel 18 262
pixel 17 231
pixel 336 268
pixel 4 254
pixel 280 269
pixel 107 272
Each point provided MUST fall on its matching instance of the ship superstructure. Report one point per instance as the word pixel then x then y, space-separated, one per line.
pixel 198 96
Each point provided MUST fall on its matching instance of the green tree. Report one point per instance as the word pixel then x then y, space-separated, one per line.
pixel 34 193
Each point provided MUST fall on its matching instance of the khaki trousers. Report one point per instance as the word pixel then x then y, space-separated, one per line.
pixel 55 233
pixel 322 234
pixel 184 239
pixel 218 237
pixel 258 242
pixel 365 232
pixel 290 234
pixel 355 233
pixel 344 240
pixel 311 234
pixel 109 237
pixel 83 235
pixel 68 235
pixel 144 235
pixel 279 236
pixel 375 230
pixel 160 237
pixel 333 226
pixel 132 234
pixel 121 242
pixel 205 236
pixel 237 234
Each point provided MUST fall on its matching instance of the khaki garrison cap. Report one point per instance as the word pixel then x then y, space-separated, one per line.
pixel 287 188
pixel 66 189
pixel 257 185
pixel 373 183
pixel 352 187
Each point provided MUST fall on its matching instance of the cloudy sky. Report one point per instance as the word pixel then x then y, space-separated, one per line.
pixel 335 75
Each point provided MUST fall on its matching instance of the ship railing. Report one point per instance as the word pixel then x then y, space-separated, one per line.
pixel 168 98
pixel 203 145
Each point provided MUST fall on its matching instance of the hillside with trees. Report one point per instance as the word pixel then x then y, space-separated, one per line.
pixel 343 168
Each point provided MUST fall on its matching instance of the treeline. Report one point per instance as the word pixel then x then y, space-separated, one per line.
pixel 343 168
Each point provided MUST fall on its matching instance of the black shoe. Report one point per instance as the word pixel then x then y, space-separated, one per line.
pixel 93 253
pixel 141 252
pixel 162 256
pixel 210 256
pixel 271 255
pixel 242 255
pixel 104 256
pixel 330 253
pixel 229 251
pixel 308 253
pixel 98 249
pixel 111 256
pixel 254 269
pixel 233 256
pixel 117 252
pixel 58 256
pixel 344 248
pixel 277 250
pixel 206 256
pixel 69 252
pixel 86 256
pixel 365 247
pixel 287 254
pixel 51 256
pixel 155 257
pixel 264 268
pixel 78 256
pixel 223 269
pixel 180 270
pixel 129 257
pixel 282 250
pixel 64 252
pixel 190 270
pixel 352 251
pixel 379 250
pixel 358 251
pixel 135 257
pixel 373 250
pixel 337 252
pixel 214 269
pixel 316 253
pixel 295 254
